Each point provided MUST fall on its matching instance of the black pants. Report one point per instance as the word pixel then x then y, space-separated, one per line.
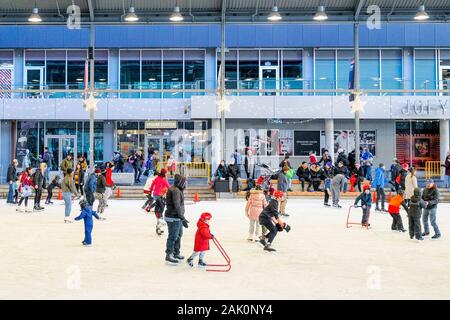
pixel 326 196
pixel 80 188
pixel 137 173
pixel 49 195
pixel 381 197
pixel 358 184
pixel 316 185
pixel 414 226
pixel 22 199
pixel 37 198
pixel 148 202
pixel 397 223
pixel 303 180
pixel 365 215
pixel 271 227
pixel 90 198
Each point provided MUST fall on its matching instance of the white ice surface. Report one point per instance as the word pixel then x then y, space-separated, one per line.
pixel 42 258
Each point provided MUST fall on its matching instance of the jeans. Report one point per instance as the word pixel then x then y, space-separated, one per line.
pixel 10 193
pixel 367 172
pixel 67 197
pixel 174 238
pixel 90 198
pixel 137 173
pixel 271 227
pixel 47 173
pixel 37 198
pixel 447 182
pixel 381 197
pixel 431 214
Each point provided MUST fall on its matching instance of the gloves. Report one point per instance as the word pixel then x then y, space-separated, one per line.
pixel 279 227
pixel 185 223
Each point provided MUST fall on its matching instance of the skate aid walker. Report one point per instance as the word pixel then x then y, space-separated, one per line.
pixel 220 267
pixel 349 224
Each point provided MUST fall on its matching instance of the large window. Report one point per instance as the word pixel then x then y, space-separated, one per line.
pixel 425 70
pixel 101 69
pixel 325 71
pixel 248 71
pixel 194 70
pixel 130 73
pixel 76 61
pixel 231 69
pixel 292 71
pixel 391 70
pixel 6 72
pixel 151 72
pixel 56 70
pixel 173 72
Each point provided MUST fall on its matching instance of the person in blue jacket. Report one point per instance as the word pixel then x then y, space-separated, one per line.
pixel 378 183
pixel 86 214
pixel 91 186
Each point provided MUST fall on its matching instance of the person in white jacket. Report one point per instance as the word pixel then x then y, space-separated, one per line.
pixel 410 184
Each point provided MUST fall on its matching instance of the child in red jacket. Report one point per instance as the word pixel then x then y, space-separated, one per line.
pixel 202 237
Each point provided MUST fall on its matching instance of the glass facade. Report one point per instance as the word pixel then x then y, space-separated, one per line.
pixel 168 69
pixel 425 70
pixel 6 72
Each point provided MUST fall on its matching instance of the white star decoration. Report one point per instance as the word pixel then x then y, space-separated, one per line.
pixel 90 103
pixel 223 104
pixel 358 104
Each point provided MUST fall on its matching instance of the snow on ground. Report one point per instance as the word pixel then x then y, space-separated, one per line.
pixel 42 258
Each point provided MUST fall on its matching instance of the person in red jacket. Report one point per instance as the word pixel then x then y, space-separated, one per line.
pixel 159 185
pixel 394 210
pixel 202 237
pixel 109 180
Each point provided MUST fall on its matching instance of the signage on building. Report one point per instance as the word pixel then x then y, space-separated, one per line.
pixel 160 124
pixel 425 107
pixel 306 141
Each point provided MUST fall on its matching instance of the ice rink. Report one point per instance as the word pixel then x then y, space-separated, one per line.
pixel 42 257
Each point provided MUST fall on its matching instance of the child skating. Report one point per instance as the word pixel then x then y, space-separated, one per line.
pixel 86 214
pixel 255 204
pixel 56 183
pixel 366 203
pixel 415 206
pixel 160 205
pixel 394 211
pixel 202 237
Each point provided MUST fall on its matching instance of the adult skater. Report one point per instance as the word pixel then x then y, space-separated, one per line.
pixel 395 169
pixel 100 190
pixel 326 158
pixel 446 165
pixel 431 197
pixel 366 160
pixel 283 186
pixel 47 158
pixel 110 185
pixel 66 164
pixel 91 186
pixel 55 183
pixel 337 183
pixel 366 203
pixel 78 178
pixel 410 184
pixel 304 175
pixel 86 214
pixel 25 189
pixel 68 189
pixel 379 184
pixel 415 206
pixel 269 218
pixel 39 184
pixel 175 219
pixel 11 177
pixel 341 157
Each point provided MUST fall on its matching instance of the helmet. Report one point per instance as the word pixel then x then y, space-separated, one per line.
pixel 278 194
pixel 366 187
pixel 205 216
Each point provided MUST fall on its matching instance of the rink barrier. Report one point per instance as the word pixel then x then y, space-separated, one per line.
pixel 226 267
pixel 349 224
pixel 433 169
pixel 189 169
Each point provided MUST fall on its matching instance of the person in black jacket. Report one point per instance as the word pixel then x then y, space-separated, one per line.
pixel 342 157
pixel 234 174
pixel 341 169
pixel 431 197
pixel 56 183
pixel 415 206
pixel 39 184
pixel 325 159
pixel 100 190
pixel 11 178
pixel 269 218
pixel 316 176
pixel 304 175
pixel 358 173
pixel 175 219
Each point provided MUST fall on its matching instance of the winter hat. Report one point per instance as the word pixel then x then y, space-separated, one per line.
pixel 163 172
pixel 205 216
pixel 366 187
pixel 430 181
pixel 97 170
pixel 278 194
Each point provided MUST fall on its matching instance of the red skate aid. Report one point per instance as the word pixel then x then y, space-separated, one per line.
pixel 220 267
pixel 348 224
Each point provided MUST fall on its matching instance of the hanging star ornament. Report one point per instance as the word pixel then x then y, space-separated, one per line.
pixel 358 104
pixel 224 104
pixel 90 103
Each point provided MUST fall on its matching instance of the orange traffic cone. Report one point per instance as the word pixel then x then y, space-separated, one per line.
pixel 389 196
pixel 59 195
pixel 196 197
pixel 374 197
pixel 118 193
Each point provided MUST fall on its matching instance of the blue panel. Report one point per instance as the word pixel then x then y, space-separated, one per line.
pixel 198 35
pixel 427 34
pixel 363 35
pixel 294 35
pixel 279 35
pixel 311 36
pixel 443 35
pixel 377 37
pixel 395 34
pixel 411 35
pixel 231 35
pixel 345 35
pixel 214 36
pixel 329 35
pixel 264 36
pixel 246 36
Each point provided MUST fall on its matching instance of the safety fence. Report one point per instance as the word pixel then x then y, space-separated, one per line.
pixel 433 169
pixel 188 169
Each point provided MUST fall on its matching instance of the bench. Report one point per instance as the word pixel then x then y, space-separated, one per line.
pixel 223 186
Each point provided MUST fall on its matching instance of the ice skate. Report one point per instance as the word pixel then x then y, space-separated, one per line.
pixel 86 244
pixel 425 234
pixel 28 210
pixel 327 205
pixel 162 222
pixel 436 236
pixel 190 262
pixel 250 238
pixel 202 263
pixel 171 260
pixel 268 247
pixel 178 256
pixel 262 242
pixel 68 220
pixel 159 231
pixel 20 209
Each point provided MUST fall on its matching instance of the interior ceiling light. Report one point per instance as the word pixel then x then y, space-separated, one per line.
pixel 35 17
pixel 421 14
pixel 176 15
pixel 274 15
pixel 131 16
pixel 320 15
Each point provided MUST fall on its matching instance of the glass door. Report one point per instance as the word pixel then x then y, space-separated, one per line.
pixel 269 77
pixel 60 147
pixel 34 80
pixel 444 79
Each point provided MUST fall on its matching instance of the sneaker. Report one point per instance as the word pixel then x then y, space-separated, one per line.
pixel 178 257
pixel 50 202
pixel 290 190
pixel 190 262
pixel 269 248
pixel 425 234
pixel 171 259
pixel 202 263
pixel 436 236
pixel 262 241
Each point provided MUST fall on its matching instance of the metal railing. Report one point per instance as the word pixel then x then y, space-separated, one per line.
pixel 189 169
pixel 433 169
